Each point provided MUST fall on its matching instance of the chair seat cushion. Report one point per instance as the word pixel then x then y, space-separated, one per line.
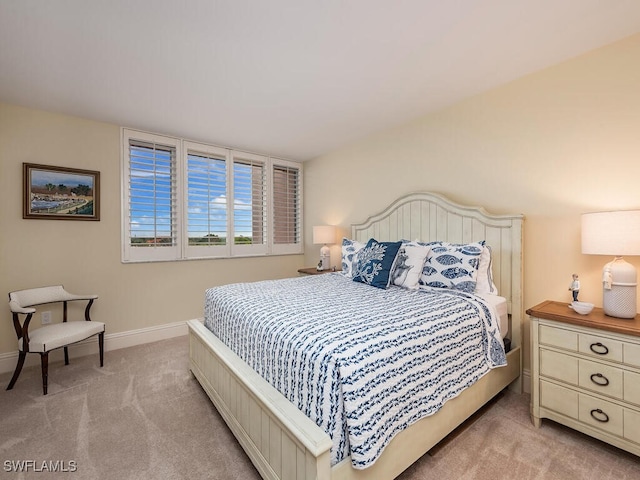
pixel 50 337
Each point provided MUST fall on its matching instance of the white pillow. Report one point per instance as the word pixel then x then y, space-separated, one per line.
pixel 409 264
pixel 484 280
pixel 350 249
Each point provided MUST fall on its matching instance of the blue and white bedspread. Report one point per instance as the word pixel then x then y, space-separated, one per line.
pixel 362 362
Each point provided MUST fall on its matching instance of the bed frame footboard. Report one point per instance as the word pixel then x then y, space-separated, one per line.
pixel 280 440
pixel 284 444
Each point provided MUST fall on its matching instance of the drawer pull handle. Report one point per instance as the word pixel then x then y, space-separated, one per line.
pixel 599 348
pixel 601 379
pixel 603 417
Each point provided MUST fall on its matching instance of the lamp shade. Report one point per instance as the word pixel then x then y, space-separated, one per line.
pixel 611 233
pixel 324 234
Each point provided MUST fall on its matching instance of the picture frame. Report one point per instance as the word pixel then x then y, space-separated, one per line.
pixel 60 193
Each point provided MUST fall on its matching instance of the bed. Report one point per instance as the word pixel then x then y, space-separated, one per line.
pixel 282 441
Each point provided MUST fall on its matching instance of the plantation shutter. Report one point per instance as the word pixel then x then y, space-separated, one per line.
pixel 287 211
pixel 207 203
pixel 249 203
pixel 152 198
pixel 150 220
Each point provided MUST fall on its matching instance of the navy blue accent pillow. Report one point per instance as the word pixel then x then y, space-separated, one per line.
pixel 374 263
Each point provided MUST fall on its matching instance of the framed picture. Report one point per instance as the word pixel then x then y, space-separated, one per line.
pixel 59 193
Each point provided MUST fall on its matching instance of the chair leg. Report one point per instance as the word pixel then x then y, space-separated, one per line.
pixel 44 360
pixel 101 346
pixel 66 355
pixel 16 373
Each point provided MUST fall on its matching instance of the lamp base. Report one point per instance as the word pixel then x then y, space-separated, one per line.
pixel 325 258
pixel 620 299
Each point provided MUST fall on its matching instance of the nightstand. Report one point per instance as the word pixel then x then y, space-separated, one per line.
pixel 585 373
pixel 315 271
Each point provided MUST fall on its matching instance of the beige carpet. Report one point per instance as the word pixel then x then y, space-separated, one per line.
pixel 144 416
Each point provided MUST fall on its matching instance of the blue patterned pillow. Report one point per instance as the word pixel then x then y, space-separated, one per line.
pixel 374 263
pixel 350 249
pixel 452 265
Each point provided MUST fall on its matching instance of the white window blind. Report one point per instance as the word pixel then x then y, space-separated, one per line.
pixel 152 199
pixel 184 200
pixel 287 207
pixel 249 203
pixel 151 219
pixel 206 199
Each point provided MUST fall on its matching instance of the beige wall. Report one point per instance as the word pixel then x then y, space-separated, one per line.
pixel 85 256
pixel 551 145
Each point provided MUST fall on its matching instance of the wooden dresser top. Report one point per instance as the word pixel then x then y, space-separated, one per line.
pixel 561 312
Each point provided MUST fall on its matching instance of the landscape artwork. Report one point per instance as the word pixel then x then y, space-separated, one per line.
pixel 60 193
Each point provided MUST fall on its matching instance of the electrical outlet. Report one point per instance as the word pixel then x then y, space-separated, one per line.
pixel 46 317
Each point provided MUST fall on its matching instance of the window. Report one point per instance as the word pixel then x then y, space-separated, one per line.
pixel 150 213
pixel 206 201
pixel 287 206
pixel 184 200
pixel 249 204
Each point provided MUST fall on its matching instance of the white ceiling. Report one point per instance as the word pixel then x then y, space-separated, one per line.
pixel 293 78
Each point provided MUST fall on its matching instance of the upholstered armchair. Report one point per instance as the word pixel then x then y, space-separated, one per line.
pixel 50 337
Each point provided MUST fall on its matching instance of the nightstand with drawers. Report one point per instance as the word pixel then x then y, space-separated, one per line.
pixel 585 373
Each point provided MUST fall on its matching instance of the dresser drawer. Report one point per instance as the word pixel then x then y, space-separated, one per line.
pixel 600 414
pixel 558 337
pixel 597 377
pixel 632 425
pixel 604 379
pixel 558 399
pixel 632 387
pixel 594 412
pixel 559 366
pixel 631 354
pixel 600 347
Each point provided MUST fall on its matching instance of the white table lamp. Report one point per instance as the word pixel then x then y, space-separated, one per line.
pixel 617 234
pixel 324 234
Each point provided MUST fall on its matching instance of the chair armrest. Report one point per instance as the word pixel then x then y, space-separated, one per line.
pixel 70 297
pixel 16 308
pixel 39 296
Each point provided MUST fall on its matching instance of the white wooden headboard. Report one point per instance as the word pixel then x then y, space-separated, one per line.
pixel 430 216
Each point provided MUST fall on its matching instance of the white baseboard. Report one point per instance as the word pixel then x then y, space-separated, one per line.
pixel 112 341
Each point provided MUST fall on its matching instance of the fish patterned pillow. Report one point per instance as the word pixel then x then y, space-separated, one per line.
pixel 451 265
